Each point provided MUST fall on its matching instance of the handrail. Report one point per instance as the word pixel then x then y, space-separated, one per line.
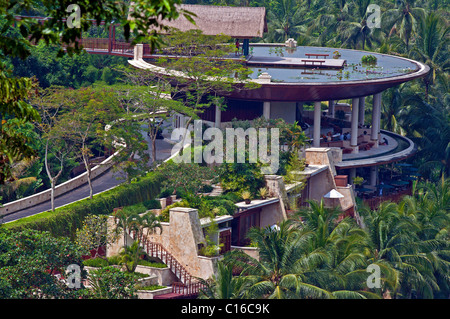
pixel 188 284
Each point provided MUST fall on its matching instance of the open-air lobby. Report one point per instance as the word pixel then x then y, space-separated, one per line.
pixel 334 94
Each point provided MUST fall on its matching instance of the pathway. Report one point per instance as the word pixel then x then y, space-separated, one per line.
pixel 102 183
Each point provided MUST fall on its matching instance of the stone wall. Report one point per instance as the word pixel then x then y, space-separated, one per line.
pixel 60 189
pixel 181 237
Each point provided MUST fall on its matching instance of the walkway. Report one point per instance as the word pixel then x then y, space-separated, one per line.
pixel 102 183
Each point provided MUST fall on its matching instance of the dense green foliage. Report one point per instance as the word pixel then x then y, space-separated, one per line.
pixel 29 261
pixel 418 30
pixel 66 220
pixel 316 254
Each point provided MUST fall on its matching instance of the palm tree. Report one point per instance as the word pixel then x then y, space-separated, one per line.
pixel 429 127
pixel 413 265
pixel 129 256
pixel 431 47
pixel 286 20
pixel 223 285
pixel 403 19
pixel 392 109
pixel 279 273
pixel 344 243
pixel 355 31
pixel 293 263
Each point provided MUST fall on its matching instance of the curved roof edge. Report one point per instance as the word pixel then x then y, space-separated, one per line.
pixel 383 159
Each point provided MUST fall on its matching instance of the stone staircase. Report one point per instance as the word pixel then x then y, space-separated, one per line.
pixel 187 287
pixel 217 191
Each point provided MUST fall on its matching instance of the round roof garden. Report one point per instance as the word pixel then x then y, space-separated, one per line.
pixel 354 69
pixel 317 74
pixel 307 74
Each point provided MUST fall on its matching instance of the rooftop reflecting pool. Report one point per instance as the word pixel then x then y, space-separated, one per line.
pixel 387 66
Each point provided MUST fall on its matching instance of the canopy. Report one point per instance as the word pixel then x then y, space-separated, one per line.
pixel 333 194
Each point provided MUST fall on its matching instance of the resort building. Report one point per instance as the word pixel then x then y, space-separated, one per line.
pixel 326 91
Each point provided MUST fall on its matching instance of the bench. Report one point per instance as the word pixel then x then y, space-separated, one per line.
pixel 316 55
pixel 313 61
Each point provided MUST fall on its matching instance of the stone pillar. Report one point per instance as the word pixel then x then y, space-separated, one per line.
pixel 316 135
pixel 354 131
pixel 352 175
pixel 266 110
pixel 331 108
pixel 362 110
pixel 218 116
pixel 376 117
pixel 138 51
pixel 373 175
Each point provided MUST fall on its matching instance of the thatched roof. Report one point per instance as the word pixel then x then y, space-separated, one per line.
pixel 236 22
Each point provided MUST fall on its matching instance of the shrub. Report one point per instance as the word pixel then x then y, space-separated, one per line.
pixel 151 264
pixel 112 283
pixel 152 204
pixel 369 59
pixel 96 262
pixel 64 221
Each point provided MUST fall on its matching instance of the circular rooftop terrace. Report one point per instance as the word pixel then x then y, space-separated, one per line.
pixel 298 75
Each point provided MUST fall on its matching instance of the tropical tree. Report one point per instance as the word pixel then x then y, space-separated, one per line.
pixel 147 98
pixel 395 244
pixel 280 271
pixel 431 47
pixel 355 31
pixel 428 126
pixel 95 234
pixel 29 262
pixel 404 20
pixel 57 145
pixel 223 285
pixel 286 20
pixel 54 31
pixel 129 256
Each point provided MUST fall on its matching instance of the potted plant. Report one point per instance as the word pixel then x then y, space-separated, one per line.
pixel 246 196
pixel 357 181
pixel 369 59
pixel 263 192
pixel 336 54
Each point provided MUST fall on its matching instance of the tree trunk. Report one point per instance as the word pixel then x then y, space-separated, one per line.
pixel 52 194
pixel 88 175
pixel 153 150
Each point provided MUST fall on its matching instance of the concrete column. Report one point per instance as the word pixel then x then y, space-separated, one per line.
pixel 218 116
pixel 266 110
pixel 299 111
pixel 331 108
pixel 373 175
pixel 354 131
pixel 362 110
pixel 246 47
pixel 138 51
pixel 376 117
pixel 316 134
pixel 352 175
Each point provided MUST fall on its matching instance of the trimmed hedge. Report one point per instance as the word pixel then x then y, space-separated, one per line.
pixel 65 221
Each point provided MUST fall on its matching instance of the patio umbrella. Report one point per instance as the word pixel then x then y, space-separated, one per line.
pixel 333 194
